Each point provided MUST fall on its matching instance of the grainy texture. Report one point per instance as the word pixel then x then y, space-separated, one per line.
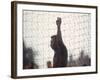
pixel 39 26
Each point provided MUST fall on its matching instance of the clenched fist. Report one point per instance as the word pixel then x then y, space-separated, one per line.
pixel 58 21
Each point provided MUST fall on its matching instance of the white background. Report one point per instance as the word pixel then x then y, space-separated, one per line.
pixel 5 41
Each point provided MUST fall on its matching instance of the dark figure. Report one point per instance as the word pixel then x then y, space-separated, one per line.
pixel 61 54
pixel 28 59
pixel 49 64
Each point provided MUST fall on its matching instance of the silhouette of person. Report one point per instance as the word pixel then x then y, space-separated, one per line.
pixel 60 50
pixel 49 64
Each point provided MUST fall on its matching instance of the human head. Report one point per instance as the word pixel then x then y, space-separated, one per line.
pixel 49 65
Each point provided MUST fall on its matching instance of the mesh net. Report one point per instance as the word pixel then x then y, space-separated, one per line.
pixel 39 26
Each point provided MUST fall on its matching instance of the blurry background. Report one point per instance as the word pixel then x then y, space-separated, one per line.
pixel 39 26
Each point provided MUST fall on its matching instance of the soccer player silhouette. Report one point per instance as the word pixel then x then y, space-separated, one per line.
pixel 60 50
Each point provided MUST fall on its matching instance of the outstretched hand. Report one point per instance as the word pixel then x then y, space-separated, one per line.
pixel 58 21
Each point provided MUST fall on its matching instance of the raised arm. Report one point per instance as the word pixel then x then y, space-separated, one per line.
pixel 58 23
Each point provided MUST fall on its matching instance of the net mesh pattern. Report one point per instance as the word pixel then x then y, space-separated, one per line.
pixel 39 26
